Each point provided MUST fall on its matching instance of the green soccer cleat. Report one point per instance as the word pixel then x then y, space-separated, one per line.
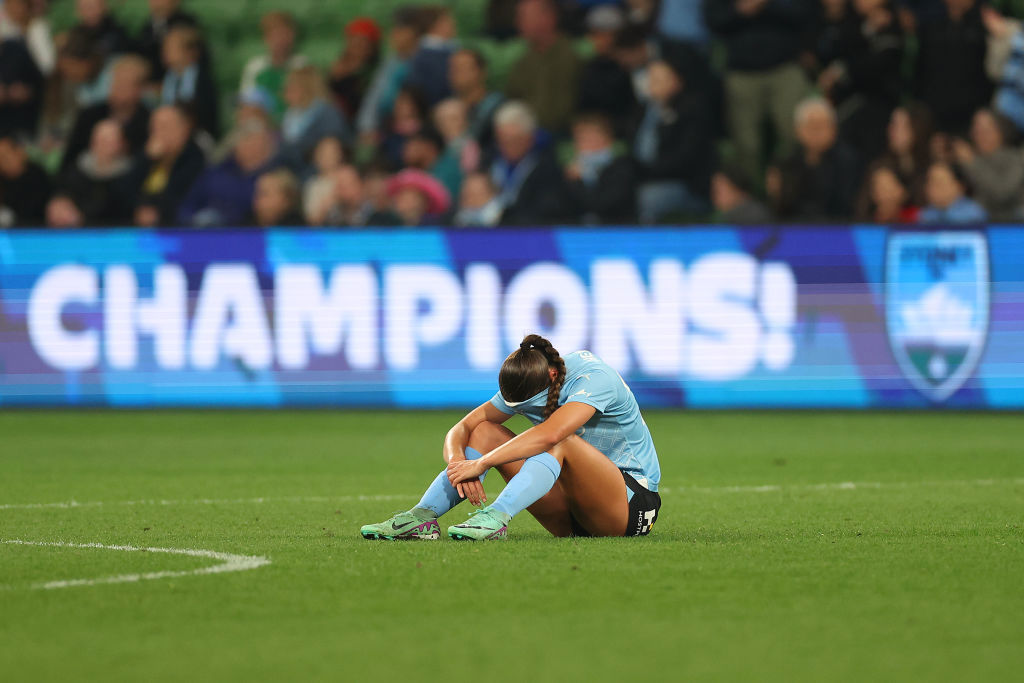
pixel 482 525
pixel 404 526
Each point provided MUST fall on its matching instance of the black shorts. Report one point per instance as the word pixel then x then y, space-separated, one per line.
pixel 643 510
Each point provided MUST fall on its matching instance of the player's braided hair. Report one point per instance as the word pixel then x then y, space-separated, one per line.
pixel 525 372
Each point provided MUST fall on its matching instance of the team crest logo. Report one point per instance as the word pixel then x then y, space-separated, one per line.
pixel 937 307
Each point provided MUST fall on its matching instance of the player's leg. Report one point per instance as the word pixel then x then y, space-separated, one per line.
pixel 593 487
pixel 552 510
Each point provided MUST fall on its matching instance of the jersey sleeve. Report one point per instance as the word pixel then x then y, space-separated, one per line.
pixel 598 388
pixel 498 402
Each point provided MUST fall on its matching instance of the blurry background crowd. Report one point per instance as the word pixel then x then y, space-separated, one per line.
pixel 509 112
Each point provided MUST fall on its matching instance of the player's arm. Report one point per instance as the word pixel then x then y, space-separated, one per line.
pixel 458 436
pixel 562 424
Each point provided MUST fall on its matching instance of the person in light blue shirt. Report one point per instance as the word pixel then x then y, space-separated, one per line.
pixel 587 467
pixel 946 188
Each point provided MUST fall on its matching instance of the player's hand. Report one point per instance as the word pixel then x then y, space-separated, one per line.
pixel 463 470
pixel 473 491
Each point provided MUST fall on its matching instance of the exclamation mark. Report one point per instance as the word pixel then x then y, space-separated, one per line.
pixel 777 302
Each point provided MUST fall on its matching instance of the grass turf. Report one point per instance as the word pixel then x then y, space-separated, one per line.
pixel 754 572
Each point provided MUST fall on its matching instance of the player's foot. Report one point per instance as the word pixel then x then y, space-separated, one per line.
pixel 483 525
pixel 410 525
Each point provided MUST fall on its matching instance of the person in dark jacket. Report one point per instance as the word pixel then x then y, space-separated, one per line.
pixel 96 189
pixel 428 68
pixel 864 79
pixel 605 86
pixel 164 174
pixel 673 147
pixel 222 195
pixel 602 184
pixel 94 16
pixel 820 180
pixel 530 183
pixel 732 195
pixel 188 81
pixel 763 39
pixel 163 16
pixel 950 72
pixel 123 104
pixel 21 89
pixel 24 186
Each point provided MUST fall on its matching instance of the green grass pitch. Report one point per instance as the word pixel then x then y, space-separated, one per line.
pixel 817 547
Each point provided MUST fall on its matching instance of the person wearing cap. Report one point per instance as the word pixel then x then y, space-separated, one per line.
pixel 418 198
pixel 351 72
pixel 732 195
pixel 605 86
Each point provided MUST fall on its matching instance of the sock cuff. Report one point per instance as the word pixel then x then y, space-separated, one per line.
pixel 548 461
pixel 473 454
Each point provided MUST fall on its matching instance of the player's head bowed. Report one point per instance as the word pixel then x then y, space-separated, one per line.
pixel 527 371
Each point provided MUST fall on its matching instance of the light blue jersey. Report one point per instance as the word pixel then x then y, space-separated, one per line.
pixel 617 429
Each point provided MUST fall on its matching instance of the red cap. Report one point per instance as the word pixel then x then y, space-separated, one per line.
pixel 363 26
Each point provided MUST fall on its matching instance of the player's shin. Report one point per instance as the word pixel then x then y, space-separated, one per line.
pixel 441 496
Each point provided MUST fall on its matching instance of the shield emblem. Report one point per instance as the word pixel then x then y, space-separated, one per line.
pixel 937 307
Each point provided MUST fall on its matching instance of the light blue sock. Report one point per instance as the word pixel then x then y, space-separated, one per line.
pixel 536 478
pixel 441 496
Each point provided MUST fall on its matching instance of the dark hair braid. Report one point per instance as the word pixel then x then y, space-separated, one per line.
pixel 535 341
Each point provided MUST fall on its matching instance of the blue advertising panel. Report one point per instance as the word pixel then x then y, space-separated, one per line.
pixel 704 317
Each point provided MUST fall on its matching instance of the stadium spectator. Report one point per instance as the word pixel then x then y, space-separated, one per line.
pixel 96 189
pixel 605 86
pixel 418 198
pixel 762 78
pixel 428 68
pixel 673 147
pixel 408 117
pixel 642 13
pixel 351 72
pixel 601 181
pixel 270 71
pixel 460 149
pixel 349 203
pixel 994 170
pixel 123 104
pixel 171 162
pixel 908 140
pixel 328 156
pixel 424 150
pixel 276 200
pixel 546 78
pixel 222 195
pixel 309 118
pixel 732 195
pixel 21 89
pixel 683 22
pixel 1004 63
pixel 24 186
pixel 403 38
pixel 468 76
pixel 163 16
pixel 819 181
pixel 950 72
pixel 95 18
pixel 478 203
pixel 187 79
pixel 18 21
pixel 948 202
pixel 863 79
pixel 886 198
pixel 530 183
pixel 80 68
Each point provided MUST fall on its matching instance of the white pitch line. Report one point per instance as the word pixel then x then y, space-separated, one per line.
pixel 229 562
pixel 763 488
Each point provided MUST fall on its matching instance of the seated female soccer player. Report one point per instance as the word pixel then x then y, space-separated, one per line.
pixel 587 467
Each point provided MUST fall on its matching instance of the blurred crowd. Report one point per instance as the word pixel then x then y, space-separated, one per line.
pixel 616 112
